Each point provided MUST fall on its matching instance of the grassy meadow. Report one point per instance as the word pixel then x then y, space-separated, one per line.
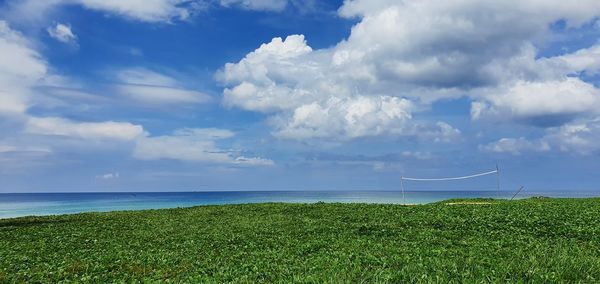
pixel 531 240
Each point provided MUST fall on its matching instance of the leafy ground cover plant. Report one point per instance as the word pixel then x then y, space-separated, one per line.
pixel 532 240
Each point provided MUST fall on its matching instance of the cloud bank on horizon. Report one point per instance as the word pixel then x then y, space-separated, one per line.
pixel 411 85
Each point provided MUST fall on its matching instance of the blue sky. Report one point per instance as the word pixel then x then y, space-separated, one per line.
pixel 171 95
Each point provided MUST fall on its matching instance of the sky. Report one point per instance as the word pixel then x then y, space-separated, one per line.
pixel 185 95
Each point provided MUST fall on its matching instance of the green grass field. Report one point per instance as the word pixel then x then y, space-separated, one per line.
pixel 533 240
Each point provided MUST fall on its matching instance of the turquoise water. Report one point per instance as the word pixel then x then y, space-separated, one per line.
pixel 25 204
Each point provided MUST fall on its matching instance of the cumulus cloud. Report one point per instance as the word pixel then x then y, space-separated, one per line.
pixel 86 130
pixel 585 59
pixel 62 33
pixel 406 55
pixel 294 83
pixel 544 103
pixel 577 137
pixel 545 91
pixel 154 88
pixel 260 79
pixel 581 137
pixel 347 117
pixel 462 44
pixel 193 145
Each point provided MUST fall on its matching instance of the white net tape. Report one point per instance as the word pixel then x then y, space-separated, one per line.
pixel 451 178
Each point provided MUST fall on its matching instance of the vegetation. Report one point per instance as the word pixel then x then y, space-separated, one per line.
pixel 533 240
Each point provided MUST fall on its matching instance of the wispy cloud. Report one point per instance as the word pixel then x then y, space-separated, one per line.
pixel 87 130
pixel 151 87
pixel 193 145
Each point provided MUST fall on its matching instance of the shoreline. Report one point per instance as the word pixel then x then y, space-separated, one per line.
pixel 449 201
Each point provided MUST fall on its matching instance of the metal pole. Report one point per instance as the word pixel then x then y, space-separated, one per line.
pixel 498 177
pixel 402 186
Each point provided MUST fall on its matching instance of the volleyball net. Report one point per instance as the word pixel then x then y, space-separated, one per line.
pixel 460 183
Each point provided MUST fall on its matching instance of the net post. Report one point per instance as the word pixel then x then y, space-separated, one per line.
pixel 402 187
pixel 498 177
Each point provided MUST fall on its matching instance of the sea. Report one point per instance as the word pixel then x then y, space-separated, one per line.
pixel 38 204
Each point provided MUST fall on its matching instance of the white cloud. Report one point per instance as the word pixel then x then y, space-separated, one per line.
pixel 166 10
pixel 7 148
pixel 161 95
pixel 449 44
pixel 417 155
pixel 110 130
pixel 261 78
pixel 154 88
pixel 21 67
pixel 260 5
pixel 187 144
pixel 20 158
pixel 544 103
pixel 62 33
pixel 585 59
pixel 193 145
pixel 289 79
pixel 346 118
pixel 253 161
pixel 547 91
pixel 139 10
pixel 443 132
pixel 108 176
pixel 142 10
pixel 21 148
pixel 577 137
pixel 23 71
pixel 141 76
pixel 515 146
pixel 420 52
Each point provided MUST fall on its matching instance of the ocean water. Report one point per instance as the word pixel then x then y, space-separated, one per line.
pixel 26 204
